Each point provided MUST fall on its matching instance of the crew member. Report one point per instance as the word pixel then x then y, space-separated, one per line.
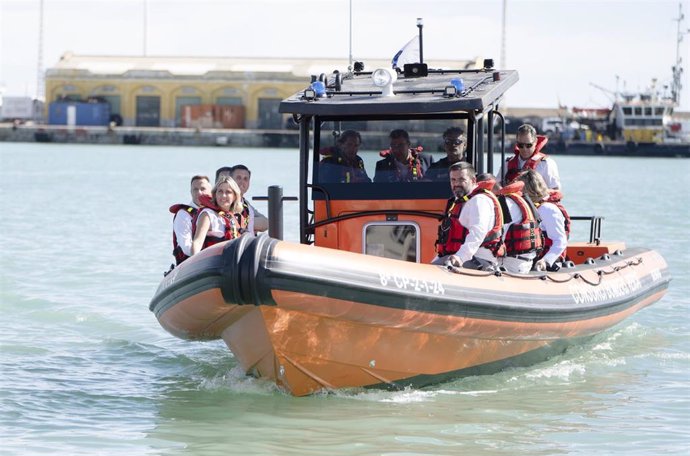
pixel 455 146
pixel 401 163
pixel 341 164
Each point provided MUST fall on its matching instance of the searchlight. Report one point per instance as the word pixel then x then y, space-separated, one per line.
pixel 384 78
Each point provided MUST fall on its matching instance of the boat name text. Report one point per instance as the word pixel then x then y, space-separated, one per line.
pixel 616 288
pixel 411 284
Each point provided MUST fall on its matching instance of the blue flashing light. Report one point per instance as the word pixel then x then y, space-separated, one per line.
pixel 319 88
pixel 458 83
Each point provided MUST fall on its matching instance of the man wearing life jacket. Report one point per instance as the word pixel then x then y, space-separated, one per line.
pixel 217 222
pixel 252 220
pixel 341 164
pixel 401 163
pixel 528 155
pixel 471 233
pixel 555 221
pixel 455 145
pixel 184 216
pixel 522 236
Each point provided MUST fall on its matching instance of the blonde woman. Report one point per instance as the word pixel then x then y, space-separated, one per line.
pixel 217 222
pixel 555 222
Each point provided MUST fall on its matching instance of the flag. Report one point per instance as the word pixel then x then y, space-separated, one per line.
pixel 408 54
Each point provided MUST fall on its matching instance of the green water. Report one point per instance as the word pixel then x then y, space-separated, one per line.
pixel 86 369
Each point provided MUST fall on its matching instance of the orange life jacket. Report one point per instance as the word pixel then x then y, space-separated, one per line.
pixel 512 164
pixel 451 233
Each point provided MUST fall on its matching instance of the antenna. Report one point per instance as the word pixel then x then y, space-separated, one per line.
pixel 420 26
pixel 349 66
pixel 503 35
pixel 39 66
pixel 145 24
pixel 676 85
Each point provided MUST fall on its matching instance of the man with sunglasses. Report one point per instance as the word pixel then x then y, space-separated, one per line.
pixel 528 155
pixel 454 144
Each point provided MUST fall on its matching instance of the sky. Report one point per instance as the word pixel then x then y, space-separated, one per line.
pixel 561 49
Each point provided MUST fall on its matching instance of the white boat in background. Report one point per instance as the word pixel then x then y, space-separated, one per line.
pixel 645 116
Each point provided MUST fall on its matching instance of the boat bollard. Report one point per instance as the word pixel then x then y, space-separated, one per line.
pixel 275 209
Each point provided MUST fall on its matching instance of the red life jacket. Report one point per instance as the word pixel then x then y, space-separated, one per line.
pixel 414 163
pixel 548 242
pixel 555 196
pixel 451 233
pixel 524 236
pixel 177 250
pixel 232 226
pixel 512 165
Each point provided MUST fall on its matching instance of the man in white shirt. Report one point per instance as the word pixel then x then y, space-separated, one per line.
pixel 528 155
pixel 477 232
pixel 184 216
pixel 253 220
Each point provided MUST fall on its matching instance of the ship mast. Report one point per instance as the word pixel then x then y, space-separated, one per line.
pixel 39 67
pixel 676 85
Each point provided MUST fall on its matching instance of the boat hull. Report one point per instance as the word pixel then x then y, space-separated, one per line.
pixel 313 319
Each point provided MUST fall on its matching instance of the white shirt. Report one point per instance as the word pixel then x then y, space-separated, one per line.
pixel 546 168
pixel 253 214
pixel 182 226
pixel 217 226
pixel 477 215
pixel 553 225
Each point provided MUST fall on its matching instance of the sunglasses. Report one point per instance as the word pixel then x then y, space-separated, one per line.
pixel 454 142
pixel 525 145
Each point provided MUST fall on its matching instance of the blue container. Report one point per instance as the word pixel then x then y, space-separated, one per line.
pixel 85 114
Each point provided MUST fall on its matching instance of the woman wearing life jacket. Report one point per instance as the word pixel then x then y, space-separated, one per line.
pixel 529 155
pixel 471 233
pixel 217 222
pixel 555 221
pixel 184 216
pixel 341 164
pixel 401 163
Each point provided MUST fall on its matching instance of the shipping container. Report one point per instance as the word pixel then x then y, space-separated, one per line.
pixel 78 113
pixel 212 116
pixel 20 108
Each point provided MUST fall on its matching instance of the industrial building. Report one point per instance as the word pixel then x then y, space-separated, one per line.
pixel 220 92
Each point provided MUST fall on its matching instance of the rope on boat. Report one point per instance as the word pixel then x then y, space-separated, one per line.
pixel 546 276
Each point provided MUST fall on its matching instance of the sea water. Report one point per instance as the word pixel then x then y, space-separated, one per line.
pixel 85 236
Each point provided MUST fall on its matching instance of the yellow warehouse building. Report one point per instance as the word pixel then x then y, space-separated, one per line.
pixel 151 91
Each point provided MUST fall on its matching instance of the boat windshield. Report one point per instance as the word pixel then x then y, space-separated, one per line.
pixel 356 167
